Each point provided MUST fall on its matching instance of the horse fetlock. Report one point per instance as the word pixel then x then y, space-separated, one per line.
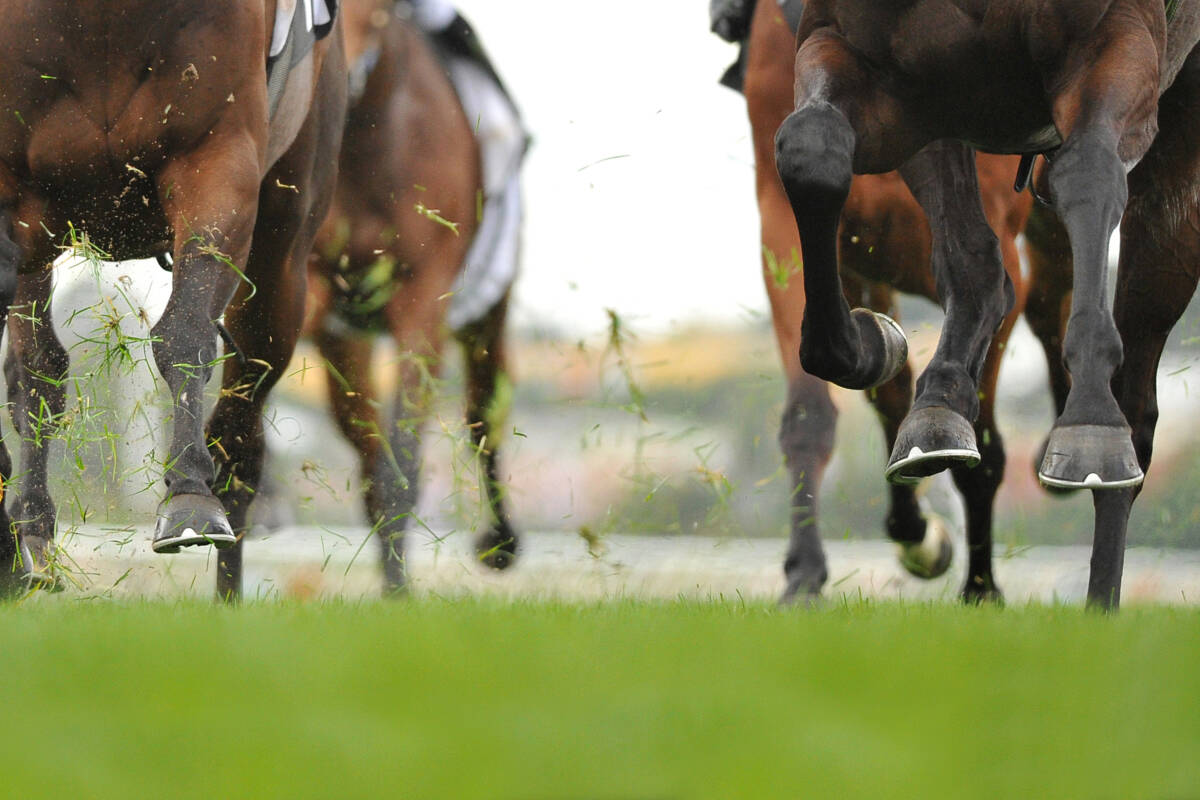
pixel 949 384
pixel 395 570
pixel 1092 342
pixel 814 151
pixel 34 514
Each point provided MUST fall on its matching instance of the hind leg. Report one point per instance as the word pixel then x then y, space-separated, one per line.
pixel 978 485
pixel 265 328
pixel 14 563
pixel 487 410
pixel 35 369
pixel 1157 276
pixel 925 547
pixel 264 321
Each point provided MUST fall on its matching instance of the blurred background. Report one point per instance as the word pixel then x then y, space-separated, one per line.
pixel 646 391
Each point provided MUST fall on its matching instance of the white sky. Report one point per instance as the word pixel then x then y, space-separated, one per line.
pixel 665 230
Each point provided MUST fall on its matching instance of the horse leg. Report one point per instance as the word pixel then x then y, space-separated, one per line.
pixel 809 417
pixel 817 148
pixel 1048 250
pixel 210 196
pixel 1157 276
pixel 1106 118
pixel 416 321
pixel 265 327
pixel 487 410
pixel 978 485
pixel 925 547
pixel 347 355
pixel 976 293
pixel 35 369
pixel 267 315
pixel 14 564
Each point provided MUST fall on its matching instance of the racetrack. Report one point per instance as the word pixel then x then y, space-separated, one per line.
pixel 306 562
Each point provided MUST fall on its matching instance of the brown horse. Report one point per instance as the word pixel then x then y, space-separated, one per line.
pixel 169 144
pixel 884 246
pixel 1108 90
pixel 403 217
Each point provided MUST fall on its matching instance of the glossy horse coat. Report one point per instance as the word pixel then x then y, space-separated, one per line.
pixel 1108 91
pixel 403 218
pixel 884 246
pixel 145 126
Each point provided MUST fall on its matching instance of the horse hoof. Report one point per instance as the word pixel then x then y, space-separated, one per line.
pixel 982 593
pixel 931 556
pixel 804 584
pixel 1053 491
pixel 187 520
pixel 797 595
pixel 36 553
pixel 1090 457
pixel 497 548
pixel 888 337
pixel 930 440
pixel 895 344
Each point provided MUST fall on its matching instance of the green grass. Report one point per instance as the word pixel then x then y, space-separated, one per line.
pixel 483 698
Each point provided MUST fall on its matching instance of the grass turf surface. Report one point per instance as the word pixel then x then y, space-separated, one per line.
pixel 484 698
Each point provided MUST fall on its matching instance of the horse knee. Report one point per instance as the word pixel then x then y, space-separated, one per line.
pixel 814 151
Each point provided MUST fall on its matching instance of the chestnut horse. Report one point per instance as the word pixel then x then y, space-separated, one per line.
pixel 403 217
pixel 884 246
pixel 1108 89
pixel 170 144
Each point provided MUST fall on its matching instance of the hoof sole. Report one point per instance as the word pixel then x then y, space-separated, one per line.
pixel 1090 457
pixel 190 520
pixel 930 440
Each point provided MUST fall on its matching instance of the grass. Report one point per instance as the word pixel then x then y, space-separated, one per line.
pixel 482 698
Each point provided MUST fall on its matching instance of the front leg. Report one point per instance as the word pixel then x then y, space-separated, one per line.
pixel 975 292
pixel 857 349
pixel 1109 117
pixel 1090 445
pixel 835 131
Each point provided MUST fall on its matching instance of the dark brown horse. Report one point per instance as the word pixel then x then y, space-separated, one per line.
pixel 884 246
pixel 405 212
pixel 1108 90
pixel 148 126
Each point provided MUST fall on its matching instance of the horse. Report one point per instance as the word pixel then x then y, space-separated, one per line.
pixel 884 246
pixel 1105 91
pixel 175 144
pixel 403 219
